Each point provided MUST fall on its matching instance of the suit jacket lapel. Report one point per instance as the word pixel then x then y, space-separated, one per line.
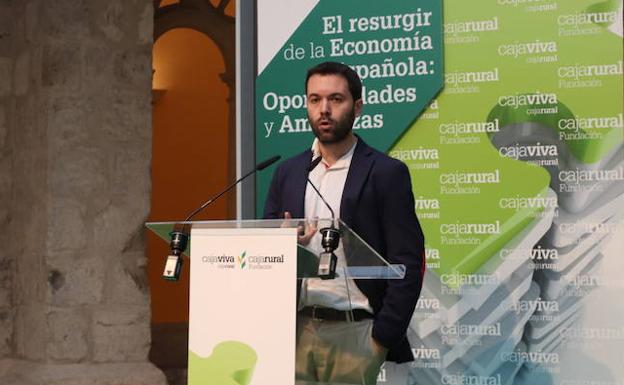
pixel 299 183
pixel 361 164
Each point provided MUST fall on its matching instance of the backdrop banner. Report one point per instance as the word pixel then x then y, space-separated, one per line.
pixel 516 165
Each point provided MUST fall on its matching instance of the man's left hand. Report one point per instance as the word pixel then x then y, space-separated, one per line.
pixel 377 347
pixel 305 232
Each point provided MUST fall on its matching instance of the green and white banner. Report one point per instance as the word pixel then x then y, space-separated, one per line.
pixel 395 46
pixel 517 169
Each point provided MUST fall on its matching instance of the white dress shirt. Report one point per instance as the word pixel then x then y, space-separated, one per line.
pixel 330 181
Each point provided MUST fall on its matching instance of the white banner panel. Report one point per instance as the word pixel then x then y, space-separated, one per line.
pixel 272 35
pixel 242 306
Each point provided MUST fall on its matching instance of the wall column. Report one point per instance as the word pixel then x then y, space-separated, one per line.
pixel 75 134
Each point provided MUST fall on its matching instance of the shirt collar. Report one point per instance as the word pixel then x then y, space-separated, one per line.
pixel 343 161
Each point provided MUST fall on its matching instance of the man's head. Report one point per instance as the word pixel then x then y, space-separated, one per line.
pixel 334 99
pixel 334 68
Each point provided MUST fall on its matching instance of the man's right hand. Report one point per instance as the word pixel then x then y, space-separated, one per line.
pixel 305 232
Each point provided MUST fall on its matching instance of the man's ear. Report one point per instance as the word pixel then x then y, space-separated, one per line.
pixel 357 106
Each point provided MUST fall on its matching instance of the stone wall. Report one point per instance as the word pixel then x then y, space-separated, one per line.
pixel 6 259
pixel 75 141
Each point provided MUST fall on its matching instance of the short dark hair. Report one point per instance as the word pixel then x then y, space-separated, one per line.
pixel 334 68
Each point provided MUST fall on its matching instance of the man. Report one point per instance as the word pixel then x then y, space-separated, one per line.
pixel 373 194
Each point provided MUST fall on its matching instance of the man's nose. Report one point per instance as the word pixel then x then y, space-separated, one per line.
pixel 325 107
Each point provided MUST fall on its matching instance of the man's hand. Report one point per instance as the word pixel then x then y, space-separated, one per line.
pixel 377 347
pixel 305 233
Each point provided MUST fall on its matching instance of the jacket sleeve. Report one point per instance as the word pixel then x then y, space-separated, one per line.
pixel 405 245
pixel 273 202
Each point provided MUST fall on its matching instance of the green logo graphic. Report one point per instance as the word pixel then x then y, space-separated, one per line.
pixel 242 260
pixel 231 363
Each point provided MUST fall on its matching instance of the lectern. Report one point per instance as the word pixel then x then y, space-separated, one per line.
pixel 243 294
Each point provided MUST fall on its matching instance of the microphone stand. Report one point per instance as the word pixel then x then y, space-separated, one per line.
pixel 330 236
pixel 180 236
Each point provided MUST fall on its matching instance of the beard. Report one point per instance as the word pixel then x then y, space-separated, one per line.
pixel 341 128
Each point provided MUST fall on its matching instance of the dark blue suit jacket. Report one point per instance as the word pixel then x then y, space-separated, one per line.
pixel 378 204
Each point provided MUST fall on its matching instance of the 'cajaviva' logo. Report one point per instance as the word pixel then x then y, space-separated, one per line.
pixel 242 260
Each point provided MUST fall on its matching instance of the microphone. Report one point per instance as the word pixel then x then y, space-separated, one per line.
pixel 330 236
pixel 265 164
pixel 179 238
pixel 313 165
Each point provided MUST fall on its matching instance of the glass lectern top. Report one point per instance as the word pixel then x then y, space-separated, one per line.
pixel 361 260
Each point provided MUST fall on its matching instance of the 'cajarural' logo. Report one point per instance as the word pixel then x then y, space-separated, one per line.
pixel 464 128
pixel 471 26
pixel 459 178
pixel 574 124
pixel 471 330
pixel 470 228
pixel 456 78
pixel 462 379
